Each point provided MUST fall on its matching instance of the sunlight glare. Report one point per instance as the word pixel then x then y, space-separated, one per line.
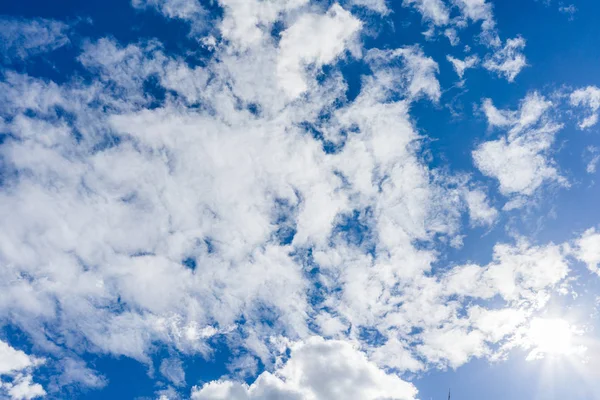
pixel 551 337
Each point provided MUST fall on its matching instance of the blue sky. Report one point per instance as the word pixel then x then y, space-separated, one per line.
pixel 286 199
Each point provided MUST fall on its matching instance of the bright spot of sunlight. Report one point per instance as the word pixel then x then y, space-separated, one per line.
pixel 552 337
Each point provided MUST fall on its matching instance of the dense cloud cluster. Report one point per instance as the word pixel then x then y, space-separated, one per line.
pixel 248 200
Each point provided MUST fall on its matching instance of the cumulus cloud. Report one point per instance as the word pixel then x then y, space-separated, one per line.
pixel 480 212
pixel 247 24
pixel 460 66
pixel 18 366
pixel 159 247
pixel 313 40
pixel 509 60
pixel 416 76
pixel 245 199
pixel 587 249
pixel 452 36
pixel 588 98
pixel 525 148
pixel 13 360
pixel 516 273
pixel 501 158
pixel 319 370
pixel 438 12
pixel 432 10
pixel 477 10
pixel 24 38
pixel 22 388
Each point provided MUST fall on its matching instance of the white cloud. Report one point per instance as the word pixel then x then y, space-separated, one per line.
pixel 460 66
pixel 75 372
pixel 417 75
pixel 497 324
pixel 589 98
pixel 12 360
pixel 22 388
pixel 319 370
pixel 509 60
pixel 592 165
pixel 379 6
pixel 398 355
pixel 190 11
pixel 432 10
pixel 23 38
pixel 452 346
pixel 496 117
pixel 587 249
pixel 531 109
pixel 525 148
pixel 313 40
pixel 246 23
pixel 438 12
pixel 521 275
pixel 516 273
pixel 131 222
pixel 501 158
pixel 593 156
pixel 18 366
pixel 477 10
pixel 452 36
pixel 172 369
pixel 480 212
pixel 133 208
pixel 181 9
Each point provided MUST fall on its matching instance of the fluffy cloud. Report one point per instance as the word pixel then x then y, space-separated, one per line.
pixel 432 10
pixel 477 10
pixel 587 249
pixel 156 246
pixel 437 12
pixel 22 388
pixel 12 360
pixel 460 66
pixel 18 365
pixel 480 212
pixel 318 370
pixel 247 24
pixel 245 199
pixel 589 98
pixel 379 6
pixel 501 158
pixel 417 76
pixel 516 273
pixel 509 60
pixel 525 148
pixel 313 40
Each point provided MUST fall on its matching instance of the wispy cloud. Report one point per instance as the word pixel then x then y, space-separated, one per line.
pixel 24 38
